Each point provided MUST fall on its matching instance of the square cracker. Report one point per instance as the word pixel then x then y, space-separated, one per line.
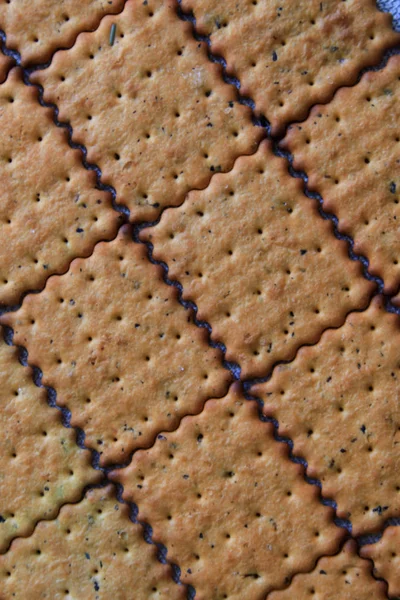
pixel 41 466
pixel 350 150
pixel 152 110
pixel 253 253
pixel 123 355
pixel 50 211
pixel 386 557
pixel 339 403
pixel 91 551
pixel 290 55
pixel 345 576
pixel 233 511
pixel 37 29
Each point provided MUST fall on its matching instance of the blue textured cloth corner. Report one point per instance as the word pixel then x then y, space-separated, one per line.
pixel 392 6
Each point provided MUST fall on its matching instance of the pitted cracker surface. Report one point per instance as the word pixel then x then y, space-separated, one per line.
pixel 233 511
pixel 345 576
pixel 385 555
pixel 121 352
pixel 36 29
pixel 339 403
pixel 50 211
pixel 290 55
pixel 350 150
pixel 91 551
pixel 41 466
pixel 253 253
pixel 152 110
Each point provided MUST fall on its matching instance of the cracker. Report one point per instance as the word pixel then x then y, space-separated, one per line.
pixel 152 110
pixel 345 576
pixel 386 557
pixel 253 253
pixel 123 355
pixel 233 511
pixel 350 151
pixel 50 211
pixel 38 29
pixel 290 55
pixel 5 65
pixel 338 402
pixel 41 466
pixel 92 550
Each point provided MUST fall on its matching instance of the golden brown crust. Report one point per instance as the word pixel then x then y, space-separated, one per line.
pixel 41 466
pixel 344 576
pixel 385 555
pixel 350 152
pixel 233 511
pixel 253 253
pixel 92 551
pixel 290 55
pixel 50 211
pixel 338 401
pixel 5 65
pixel 152 110
pixel 38 29
pixel 122 353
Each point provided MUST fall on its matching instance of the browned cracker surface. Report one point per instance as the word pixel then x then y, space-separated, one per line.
pixel 41 466
pixel 50 211
pixel 386 557
pixel 233 511
pixel 289 55
pixel 5 64
pixel 339 402
pixel 122 353
pixel 152 110
pixel 36 29
pixel 253 253
pixel 345 576
pixel 91 551
pixel 350 151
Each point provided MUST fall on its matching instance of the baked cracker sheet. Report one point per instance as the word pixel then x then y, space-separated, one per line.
pixel 233 511
pixel 92 550
pixel 37 29
pixel 123 355
pixel 350 150
pixel 338 402
pixel 290 55
pixel 50 210
pixel 255 256
pixel 345 576
pixel 385 555
pixel 152 110
pixel 41 466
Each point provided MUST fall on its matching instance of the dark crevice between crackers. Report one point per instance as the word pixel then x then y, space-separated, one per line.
pixel 374 574
pixel 345 524
pixel 262 121
pixel 233 367
pixel 339 551
pixel 87 488
pixel 37 375
pixel 33 65
pixel 26 72
pixel 14 307
pixel 162 550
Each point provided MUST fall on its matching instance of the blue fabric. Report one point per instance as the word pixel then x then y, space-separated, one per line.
pixel 392 6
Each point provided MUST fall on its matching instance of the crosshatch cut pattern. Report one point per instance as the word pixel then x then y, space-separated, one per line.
pixel 198 376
